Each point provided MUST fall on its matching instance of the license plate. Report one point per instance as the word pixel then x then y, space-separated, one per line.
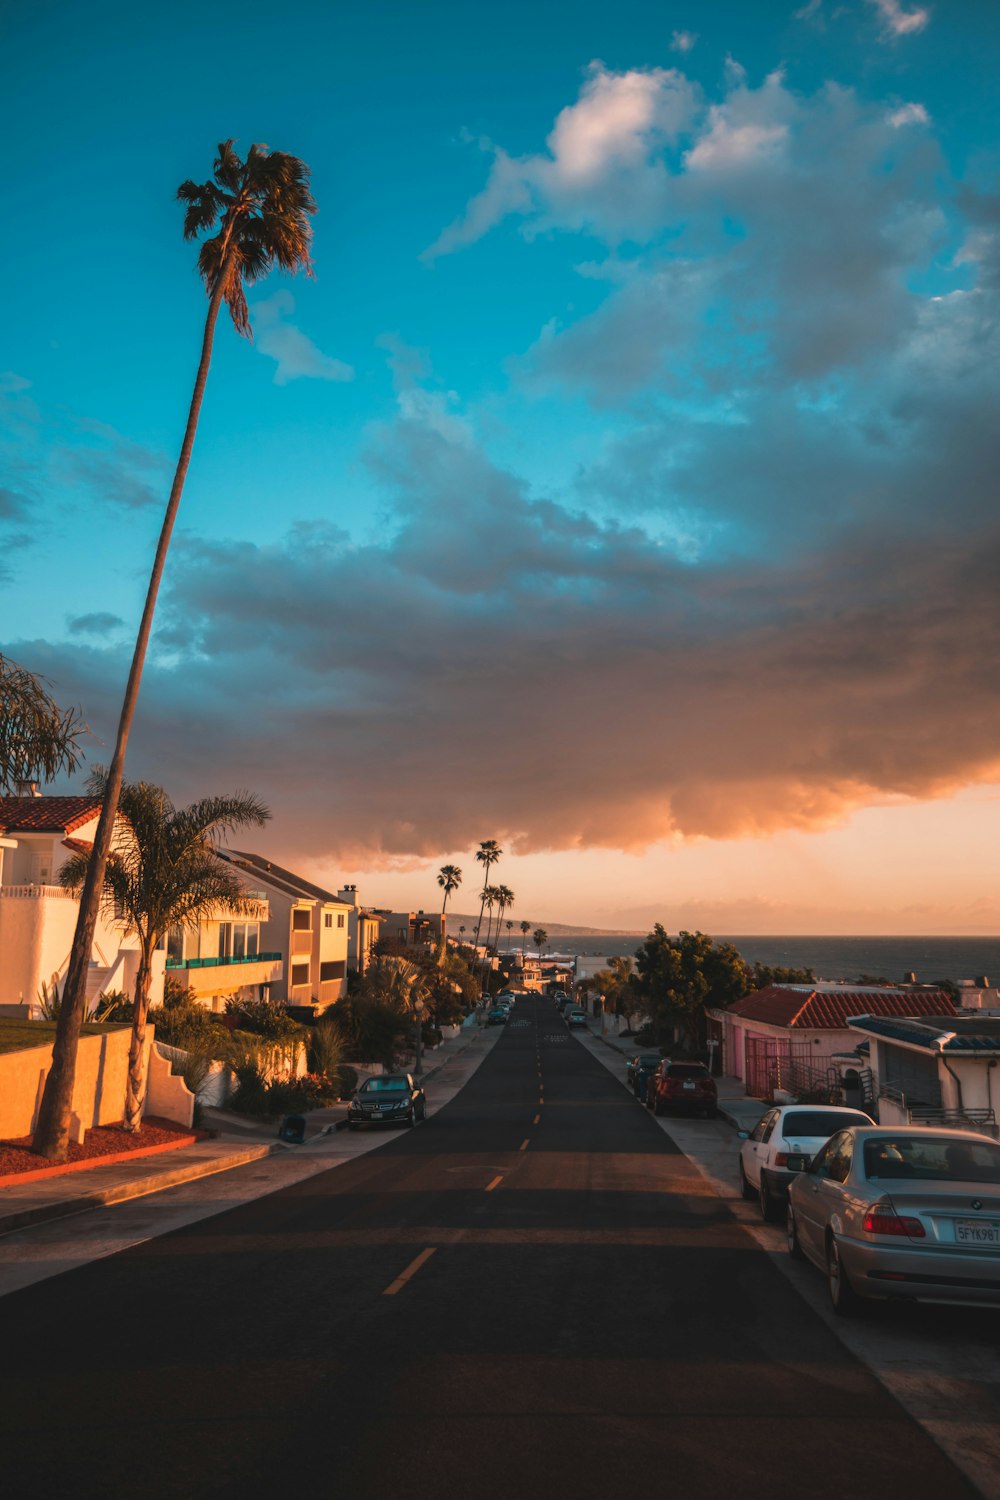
pixel 689 1085
pixel 975 1232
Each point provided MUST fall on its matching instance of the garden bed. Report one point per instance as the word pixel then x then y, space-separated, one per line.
pixel 102 1145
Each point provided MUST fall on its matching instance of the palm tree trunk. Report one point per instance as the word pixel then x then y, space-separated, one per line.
pixel 135 1093
pixel 51 1137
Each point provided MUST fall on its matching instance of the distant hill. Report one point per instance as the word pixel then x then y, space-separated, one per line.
pixel 554 929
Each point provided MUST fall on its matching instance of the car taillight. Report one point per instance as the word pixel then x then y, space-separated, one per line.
pixel 883 1219
pixel 781 1159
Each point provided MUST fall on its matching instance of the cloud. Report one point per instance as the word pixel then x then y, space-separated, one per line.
pixel 683 41
pixel 897 22
pixel 98 623
pixel 601 167
pixel 297 357
pixel 909 114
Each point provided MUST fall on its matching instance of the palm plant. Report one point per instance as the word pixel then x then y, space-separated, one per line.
pixel 397 983
pixel 38 739
pixel 260 210
pixel 539 937
pixel 449 879
pixel 510 929
pixel 504 897
pixel 525 929
pixel 487 854
pixel 162 872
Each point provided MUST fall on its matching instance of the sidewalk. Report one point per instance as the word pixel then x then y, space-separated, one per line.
pixel 237 1140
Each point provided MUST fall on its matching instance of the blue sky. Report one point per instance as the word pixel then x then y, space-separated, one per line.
pixel 623 484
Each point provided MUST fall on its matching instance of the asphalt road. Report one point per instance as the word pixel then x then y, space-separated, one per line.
pixel 533 1294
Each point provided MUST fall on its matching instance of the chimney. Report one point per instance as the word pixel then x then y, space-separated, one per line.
pixel 27 789
pixel 982 983
pixel 909 977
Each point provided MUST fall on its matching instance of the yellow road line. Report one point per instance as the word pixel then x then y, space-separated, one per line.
pixel 537 1120
pixel 494 1184
pixel 411 1270
pixel 523 1146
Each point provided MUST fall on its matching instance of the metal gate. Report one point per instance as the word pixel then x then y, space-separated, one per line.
pixel 769 1062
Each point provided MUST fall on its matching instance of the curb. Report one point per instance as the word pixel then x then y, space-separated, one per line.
pixel 135 1187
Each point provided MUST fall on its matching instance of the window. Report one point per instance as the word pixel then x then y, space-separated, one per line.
pixel 301 919
pixel 830 1161
pixel 328 919
pixel 175 944
pixel 253 938
pixel 300 975
pixel 333 969
pixel 764 1124
pixel 340 920
pixel 225 939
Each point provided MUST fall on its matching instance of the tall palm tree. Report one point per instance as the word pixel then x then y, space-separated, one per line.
pixel 162 872
pixel 487 855
pixel 510 929
pixel 504 898
pixel 492 894
pixel 525 929
pixel 401 984
pixel 260 210
pixel 540 937
pixel 449 879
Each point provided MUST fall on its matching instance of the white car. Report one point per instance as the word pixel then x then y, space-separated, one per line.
pixel 791 1130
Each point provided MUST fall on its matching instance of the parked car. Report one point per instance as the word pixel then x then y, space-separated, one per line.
pixel 900 1211
pixel 794 1128
pixel 649 1061
pixel 687 1087
pixel 562 1003
pixel 575 1017
pixel 497 1016
pixel 392 1099
pixel 643 1072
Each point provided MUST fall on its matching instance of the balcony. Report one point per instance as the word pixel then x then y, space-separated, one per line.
pixel 214 963
pixel 36 892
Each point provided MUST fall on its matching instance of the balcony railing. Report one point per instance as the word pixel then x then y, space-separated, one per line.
pixel 37 891
pixel 212 963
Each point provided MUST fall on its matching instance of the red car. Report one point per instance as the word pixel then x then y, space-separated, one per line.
pixel 686 1087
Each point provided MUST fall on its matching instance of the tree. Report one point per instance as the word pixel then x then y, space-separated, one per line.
pixel 540 937
pixel 449 879
pixel 680 977
pixel 765 974
pixel 162 872
pixel 402 986
pixel 525 929
pixel 261 207
pixel 510 928
pixel 38 739
pixel 505 900
pixel 487 854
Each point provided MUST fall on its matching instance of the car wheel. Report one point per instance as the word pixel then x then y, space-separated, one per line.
pixel 844 1299
pixel 649 1102
pixel 792 1236
pixel 657 1105
pixel 767 1204
pixel 745 1186
pixel 412 1117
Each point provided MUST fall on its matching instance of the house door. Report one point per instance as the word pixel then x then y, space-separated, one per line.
pixel 41 869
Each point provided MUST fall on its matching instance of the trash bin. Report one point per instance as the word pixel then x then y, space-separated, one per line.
pixel 292 1129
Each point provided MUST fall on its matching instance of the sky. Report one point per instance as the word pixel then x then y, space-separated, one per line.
pixel 622 487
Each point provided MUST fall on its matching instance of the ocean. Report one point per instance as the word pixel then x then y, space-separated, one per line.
pixel 889 958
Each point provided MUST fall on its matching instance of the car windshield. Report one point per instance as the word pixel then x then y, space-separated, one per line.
pixel 651 1060
pixel 819 1122
pixel 385 1086
pixel 687 1070
pixel 932 1159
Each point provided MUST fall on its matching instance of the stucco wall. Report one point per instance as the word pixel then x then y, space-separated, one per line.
pixel 98 1089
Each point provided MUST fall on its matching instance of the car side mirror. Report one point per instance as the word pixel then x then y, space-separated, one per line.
pixel 797 1163
pixel 742 1135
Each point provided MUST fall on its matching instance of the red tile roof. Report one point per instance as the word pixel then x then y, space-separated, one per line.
pixel 46 814
pixel 828 1010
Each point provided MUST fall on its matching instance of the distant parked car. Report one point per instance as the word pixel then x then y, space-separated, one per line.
pixel 392 1099
pixel 497 1016
pixel 900 1211
pixel 800 1129
pixel 647 1061
pixel 683 1087
pixel 575 1017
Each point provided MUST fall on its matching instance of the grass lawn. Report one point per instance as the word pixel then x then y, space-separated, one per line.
pixel 17 1036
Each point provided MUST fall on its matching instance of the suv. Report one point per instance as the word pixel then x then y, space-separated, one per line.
pixel 575 1017
pixel 794 1129
pixel 685 1086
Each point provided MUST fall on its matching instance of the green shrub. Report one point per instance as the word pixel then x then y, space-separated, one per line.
pixel 114 1005
pixel 326 1048
pixel 190 1027
pixel 250 1095
pixel 261 1018
pixel 347 1080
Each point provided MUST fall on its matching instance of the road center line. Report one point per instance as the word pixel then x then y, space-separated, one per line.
pixel 523 1146
pixel 537 1120
pixel 494 1184
pixel 411 1270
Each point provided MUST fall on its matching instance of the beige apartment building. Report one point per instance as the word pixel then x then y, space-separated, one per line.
pixel 306 925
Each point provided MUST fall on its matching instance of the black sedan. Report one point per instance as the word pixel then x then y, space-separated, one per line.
pixel 648 1061
pixel 392 1099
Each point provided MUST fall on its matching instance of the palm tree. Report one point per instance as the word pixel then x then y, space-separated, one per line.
pixel 261 207
pixel 504 897
pixel 510 929
pixel 449 879
pixel 540 937
pixel 525 929
pixel 402 985
pixel 492 894
pixel 38 739
pixel 487 855
pixel 461 931
pixel 162 872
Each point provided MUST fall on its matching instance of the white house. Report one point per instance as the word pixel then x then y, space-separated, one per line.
pixel 939 1069
pixel 38 918
pixel 223 956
